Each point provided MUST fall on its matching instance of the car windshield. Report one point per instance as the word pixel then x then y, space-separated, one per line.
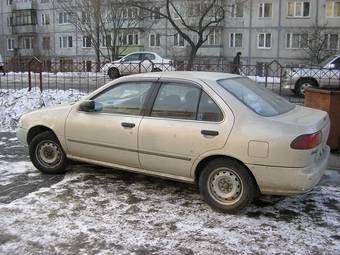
pixel 258 99
pixel 326 61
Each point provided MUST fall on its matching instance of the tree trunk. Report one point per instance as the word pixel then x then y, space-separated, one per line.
pixel 192 56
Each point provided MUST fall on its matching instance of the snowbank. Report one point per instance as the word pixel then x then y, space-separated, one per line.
pixel 14 103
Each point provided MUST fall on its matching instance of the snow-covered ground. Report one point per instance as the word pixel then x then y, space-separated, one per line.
pixel 93 210
pixel 14 103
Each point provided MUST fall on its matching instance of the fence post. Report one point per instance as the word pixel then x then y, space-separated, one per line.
pixel 34 59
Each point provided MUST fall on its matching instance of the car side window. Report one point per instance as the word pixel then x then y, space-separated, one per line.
pixel 149 56
pixel 126 98
pixel 176 101
pixel 132 57
pixel 208 110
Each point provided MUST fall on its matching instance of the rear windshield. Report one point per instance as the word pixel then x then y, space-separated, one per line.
pixel 259 99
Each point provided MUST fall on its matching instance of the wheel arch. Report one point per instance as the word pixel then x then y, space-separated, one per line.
pixel 37 130
pixel 308 79
pixel 200 166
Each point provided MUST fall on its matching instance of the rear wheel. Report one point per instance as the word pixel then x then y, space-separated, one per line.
pixel 113 73
pixel 46 153
pixel 227 186
pixel 302 85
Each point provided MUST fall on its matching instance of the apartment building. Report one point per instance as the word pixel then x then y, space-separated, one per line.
pixel 263 30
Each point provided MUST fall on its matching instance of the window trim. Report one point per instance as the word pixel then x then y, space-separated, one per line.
pixel 333 9
pixel 294 16
pixel 265 37
pixel 234 40
pixel 291 41
pixel 155 40
pixel 263 6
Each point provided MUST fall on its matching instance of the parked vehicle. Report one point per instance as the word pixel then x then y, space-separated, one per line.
pixel 327 75
pixel 235 139
pixel 138 62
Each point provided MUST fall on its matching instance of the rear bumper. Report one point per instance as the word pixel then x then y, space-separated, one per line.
pixel 288 181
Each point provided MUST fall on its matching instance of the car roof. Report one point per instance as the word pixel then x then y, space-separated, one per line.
pixel 188 75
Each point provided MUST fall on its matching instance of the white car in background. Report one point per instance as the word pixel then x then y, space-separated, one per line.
pixel 138 62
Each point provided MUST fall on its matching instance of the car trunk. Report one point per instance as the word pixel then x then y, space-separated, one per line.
pixel 305 120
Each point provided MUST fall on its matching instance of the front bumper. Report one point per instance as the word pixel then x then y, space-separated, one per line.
pixel 288 181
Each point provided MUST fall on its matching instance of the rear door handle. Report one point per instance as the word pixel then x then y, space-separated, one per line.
pixel 209 132
pixel 128 125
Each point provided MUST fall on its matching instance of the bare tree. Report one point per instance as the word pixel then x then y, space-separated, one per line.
pixel 189 17
pixel 317 45
pixel 102 22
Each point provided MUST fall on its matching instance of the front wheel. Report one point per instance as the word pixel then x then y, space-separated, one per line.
pixel 46 154
pixel 227 185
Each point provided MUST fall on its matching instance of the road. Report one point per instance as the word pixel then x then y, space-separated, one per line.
pixel 94 210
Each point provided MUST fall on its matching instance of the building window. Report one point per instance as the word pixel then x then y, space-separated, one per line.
pixel 64 18
pixel 130 38
pixel 44 1
pixel 129 13
pixel 265 10
pixel 25 17
pixel 236 10
pixel 45 19
pixel 178 40
pixel 107 40
pixel 235 40
pixel 86 42
pixel 155 40
pixel 155 14
pixel 9 21
pixel 10 44
pixel 298 9
pixel 65 42
pixel 46 42
pixel 9 2
pixel 213 38
pixel 296 41
pixel 333 8
pixel 331 41
pixel 264 40
pixel 27 42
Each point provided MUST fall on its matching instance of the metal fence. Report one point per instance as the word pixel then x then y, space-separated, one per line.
pixel 86 76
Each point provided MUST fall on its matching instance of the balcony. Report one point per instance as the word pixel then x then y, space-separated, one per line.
pixel 29 5
pixel 24 29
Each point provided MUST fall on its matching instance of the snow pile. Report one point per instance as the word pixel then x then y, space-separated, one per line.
pixel 14 103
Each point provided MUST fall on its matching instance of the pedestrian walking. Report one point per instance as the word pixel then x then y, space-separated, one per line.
pixel 236 63
pixel 2 66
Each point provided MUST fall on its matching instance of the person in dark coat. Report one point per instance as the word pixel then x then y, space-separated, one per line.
pixel 236 63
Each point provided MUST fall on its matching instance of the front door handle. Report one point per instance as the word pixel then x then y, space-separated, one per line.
pixel 128 125
pixel 209 132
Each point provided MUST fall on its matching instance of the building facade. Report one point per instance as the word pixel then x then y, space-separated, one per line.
pixel 263 30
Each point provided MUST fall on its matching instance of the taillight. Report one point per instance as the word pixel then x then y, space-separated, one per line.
pixel 307 141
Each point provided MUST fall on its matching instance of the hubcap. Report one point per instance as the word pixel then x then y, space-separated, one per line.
pixel 304 86
pixel 48 154
pixel 225 186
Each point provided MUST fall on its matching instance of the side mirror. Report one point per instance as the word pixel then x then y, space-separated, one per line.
pixel 122 60
pixel 87 106
pixel 332 66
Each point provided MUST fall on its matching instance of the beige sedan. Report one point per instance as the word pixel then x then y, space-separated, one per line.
pixel 222 131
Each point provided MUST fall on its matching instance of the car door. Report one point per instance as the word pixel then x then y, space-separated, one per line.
pixel 335 73
pixel 130 64
pixel 184 123
pixel 109 133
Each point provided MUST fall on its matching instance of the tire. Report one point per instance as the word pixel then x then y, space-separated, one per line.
pixel 301 86
pixel 156 69
pixel 227 186
pixel 113 73
pixel 46 154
